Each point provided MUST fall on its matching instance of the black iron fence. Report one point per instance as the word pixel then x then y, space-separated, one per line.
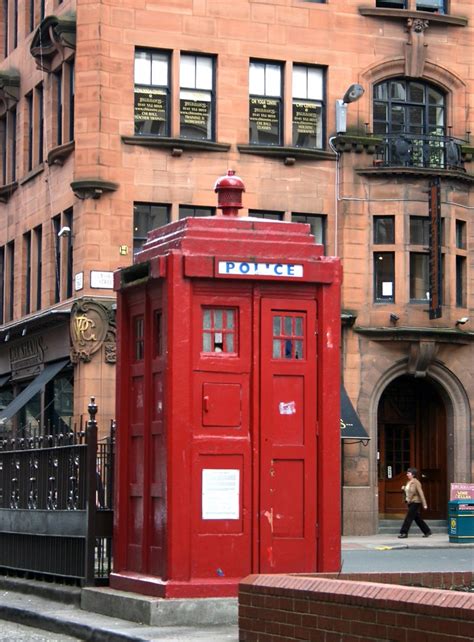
pixel 56 503
pixel 417 150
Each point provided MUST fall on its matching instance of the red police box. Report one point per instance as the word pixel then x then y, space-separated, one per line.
pixel 228 437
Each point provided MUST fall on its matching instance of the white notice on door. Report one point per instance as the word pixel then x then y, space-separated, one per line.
pixel 220 493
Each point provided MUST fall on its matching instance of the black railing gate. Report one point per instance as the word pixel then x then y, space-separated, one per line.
pixel 56 504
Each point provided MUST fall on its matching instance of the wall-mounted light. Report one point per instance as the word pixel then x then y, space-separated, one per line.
pixel 462 321
pixel 394 318
pixel 352 94
pixel 7 337
pixel 23 332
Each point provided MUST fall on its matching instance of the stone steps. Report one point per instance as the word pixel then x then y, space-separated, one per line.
pixel 392 526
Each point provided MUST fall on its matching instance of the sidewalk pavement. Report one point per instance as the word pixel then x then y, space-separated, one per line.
pixel 58 608
pixel 415 539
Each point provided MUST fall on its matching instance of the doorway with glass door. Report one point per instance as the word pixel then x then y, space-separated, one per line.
pixel 411 433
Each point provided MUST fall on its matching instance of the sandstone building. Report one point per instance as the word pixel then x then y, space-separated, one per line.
pixel 117 117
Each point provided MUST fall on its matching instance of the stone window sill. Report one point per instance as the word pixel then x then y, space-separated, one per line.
pixel 32 174
pixel 176 145
pixel 289 154
pixel 58 155
pixel 7 190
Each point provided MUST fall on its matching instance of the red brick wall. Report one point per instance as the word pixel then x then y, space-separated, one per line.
pixel 273 608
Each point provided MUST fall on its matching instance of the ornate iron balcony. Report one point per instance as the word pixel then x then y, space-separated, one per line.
pixel 418 150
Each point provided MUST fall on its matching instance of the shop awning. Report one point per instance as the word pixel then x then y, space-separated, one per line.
pixel 351 425
pixel 50 371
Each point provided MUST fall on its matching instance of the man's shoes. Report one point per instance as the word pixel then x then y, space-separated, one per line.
pixel 427 535
pixel 402 536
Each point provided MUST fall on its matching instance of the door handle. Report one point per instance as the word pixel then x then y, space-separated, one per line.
pixel 205 403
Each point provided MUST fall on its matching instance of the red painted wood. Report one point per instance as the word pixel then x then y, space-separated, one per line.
pixel 185 411
pixel 288 489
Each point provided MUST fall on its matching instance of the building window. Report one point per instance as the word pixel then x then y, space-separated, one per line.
pixel 29 130
pixel 2 284
pixel 68 223
pixel 420 230
pixel 384 277
pixel 308 87
pixel 317 223
pixel 152 95
pixel 437 6
pixel 461 263
pixel 10 281
pixel 219 332
pixel 384 230
pixel 15 24
pixel 196 97
pixel 146 217
pixel 410 115
pixel 419 276
pixel 38 261
pixel 461 235
pixel 27 270
pixel 188 211
pixel 460 281
pixel 69 110
pixel 39 122
pixel 4 26
pixel 265 103
pixel 31 14
pixel 272 216
pixel 288 336
pixel 58 94
pixel 57 257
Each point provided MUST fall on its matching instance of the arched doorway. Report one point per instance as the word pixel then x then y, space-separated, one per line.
pixel 411 433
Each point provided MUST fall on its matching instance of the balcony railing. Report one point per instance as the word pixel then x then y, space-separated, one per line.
pixel 417 150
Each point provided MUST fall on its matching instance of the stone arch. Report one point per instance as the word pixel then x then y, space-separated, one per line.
pixel 453 85
pixel 458 414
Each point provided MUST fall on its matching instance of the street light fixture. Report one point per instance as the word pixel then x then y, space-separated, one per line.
pixel 352 94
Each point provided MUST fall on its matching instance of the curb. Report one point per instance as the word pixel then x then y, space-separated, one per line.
pixel 27 617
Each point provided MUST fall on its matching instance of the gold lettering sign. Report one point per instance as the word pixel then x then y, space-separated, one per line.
pixel 265 114
pixel 89 326
pixel 195 113
pixel 82 328
pixel 150 104
pixel 306 117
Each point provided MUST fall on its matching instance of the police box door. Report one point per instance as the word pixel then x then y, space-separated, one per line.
pixel 287 512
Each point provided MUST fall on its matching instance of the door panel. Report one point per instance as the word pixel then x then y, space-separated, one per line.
pixel 288 436
pixel 412 433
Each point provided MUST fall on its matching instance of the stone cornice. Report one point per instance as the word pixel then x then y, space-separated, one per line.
pixel 415 172
pixel 440 335
pixel 402 14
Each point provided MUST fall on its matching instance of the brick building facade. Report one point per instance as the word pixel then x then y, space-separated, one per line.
pixel 116 117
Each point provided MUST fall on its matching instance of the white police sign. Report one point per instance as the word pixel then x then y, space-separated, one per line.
pixel 249 268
